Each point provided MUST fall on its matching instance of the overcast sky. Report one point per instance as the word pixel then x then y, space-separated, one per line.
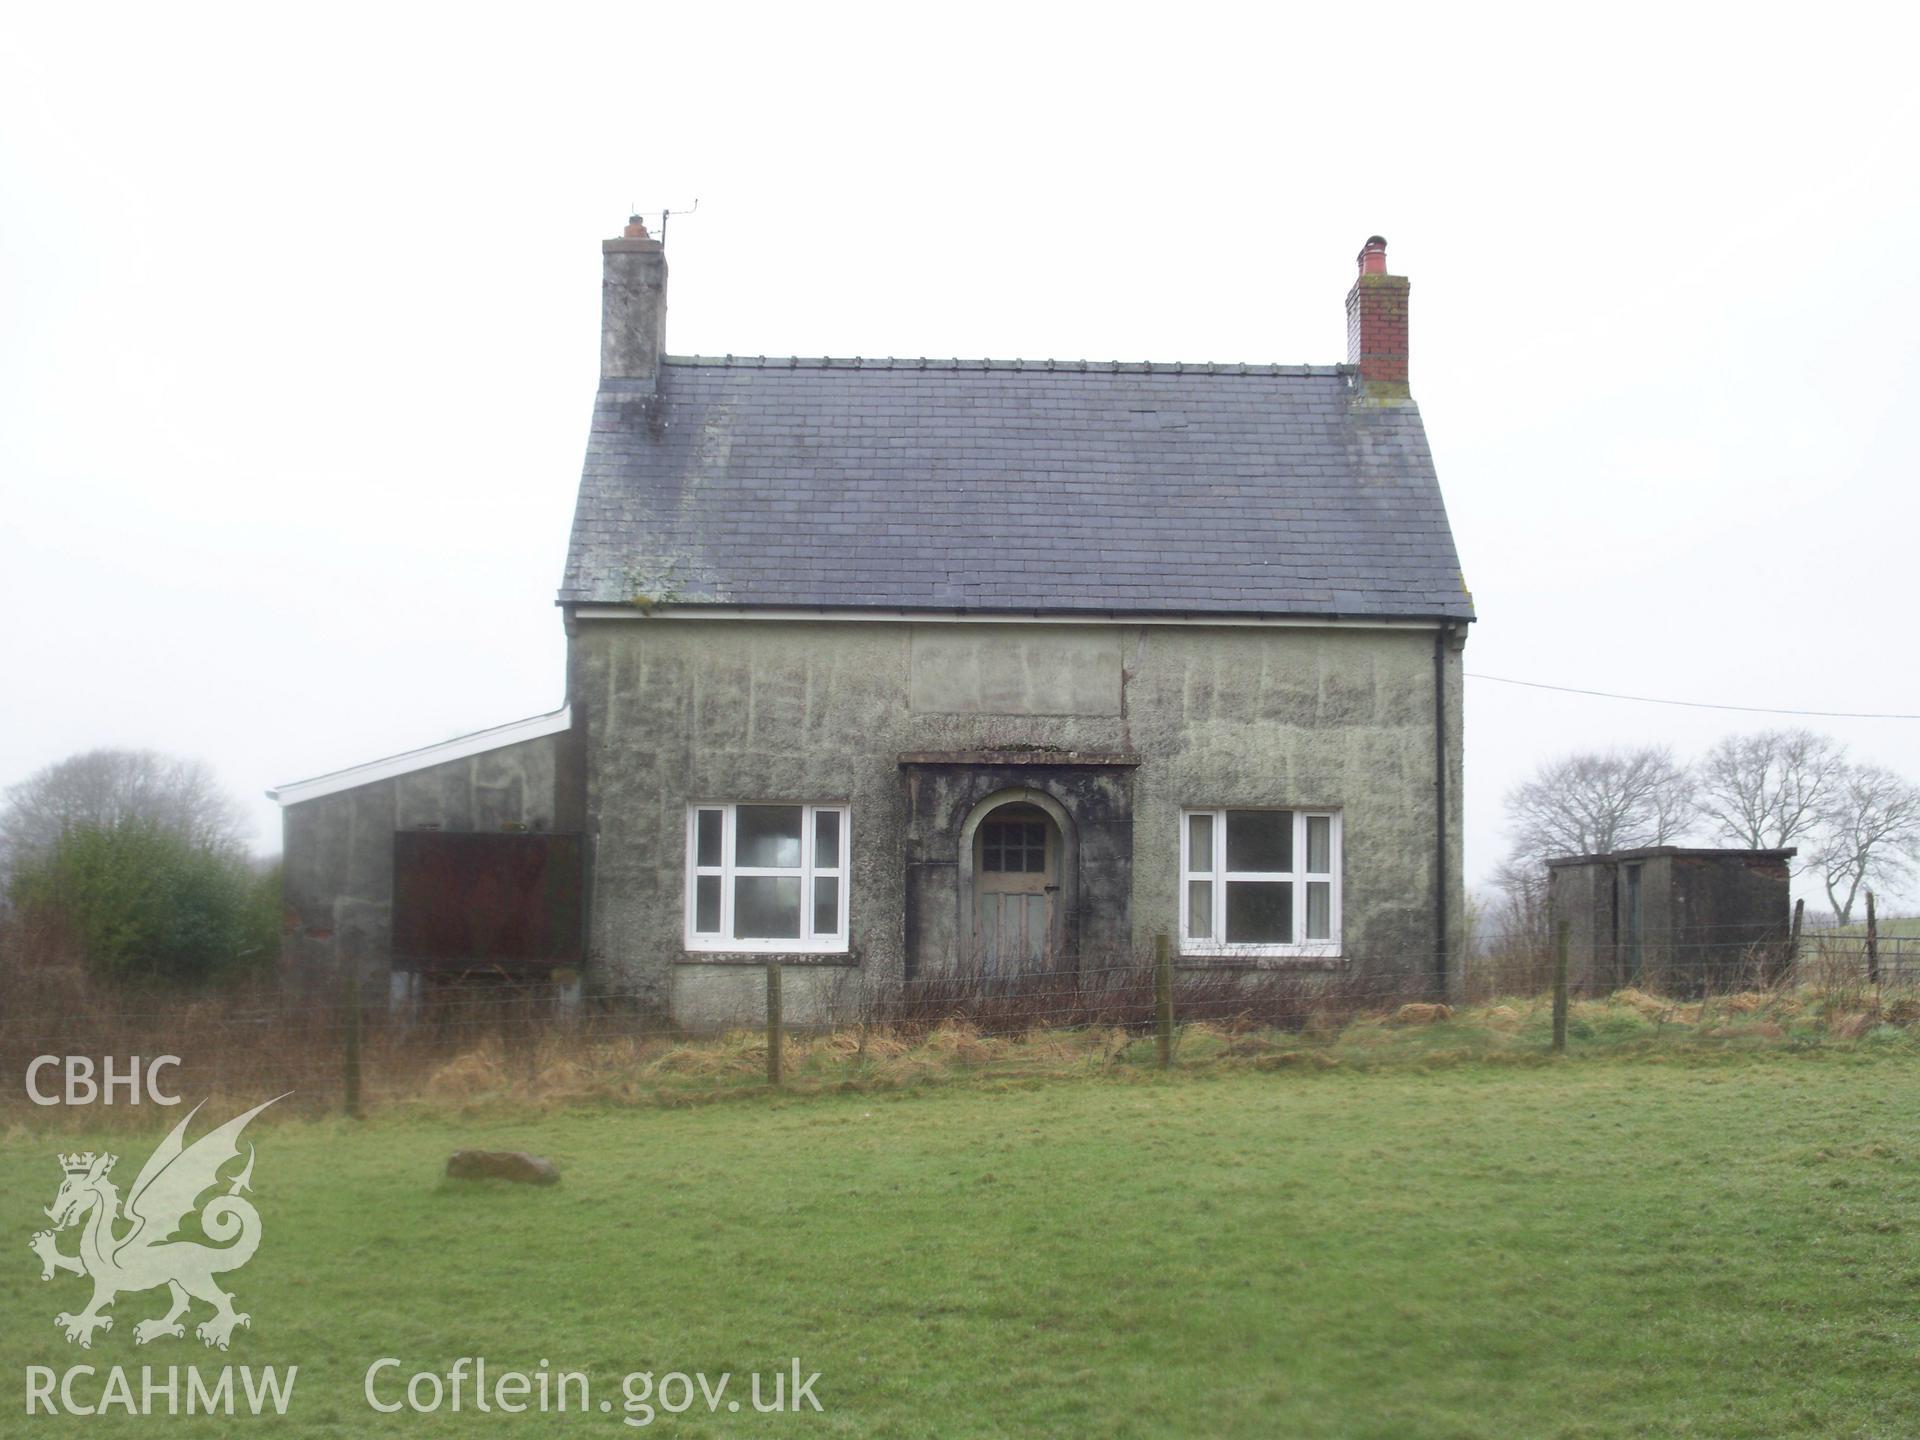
pixel 299 314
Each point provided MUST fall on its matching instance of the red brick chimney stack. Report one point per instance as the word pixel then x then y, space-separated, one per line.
pixel 1377 325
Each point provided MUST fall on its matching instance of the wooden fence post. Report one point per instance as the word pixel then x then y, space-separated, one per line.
pixel 776 1016
pixel 1560 988
pixel 1163 999
pixel 350 995
pixel 1873 944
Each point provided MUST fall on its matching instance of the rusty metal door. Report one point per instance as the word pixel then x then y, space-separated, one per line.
pixel 484 901
pixel 1016 882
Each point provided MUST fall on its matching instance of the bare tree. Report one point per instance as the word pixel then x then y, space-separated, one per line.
pixel 1768 790
pixel 1522 907
pixel 1513 937
pixel 1870 831
pixel 1590 803
pixel 105 788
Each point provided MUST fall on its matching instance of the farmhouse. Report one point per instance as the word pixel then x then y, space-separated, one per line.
pixel 881 667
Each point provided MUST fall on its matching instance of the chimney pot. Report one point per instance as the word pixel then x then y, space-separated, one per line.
pixel 1373 256
pixel 636 229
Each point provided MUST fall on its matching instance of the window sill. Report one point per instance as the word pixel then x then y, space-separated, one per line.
pixel 1240 960
pixel 797 959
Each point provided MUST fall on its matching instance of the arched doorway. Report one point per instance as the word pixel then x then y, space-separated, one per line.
pixel 1018 864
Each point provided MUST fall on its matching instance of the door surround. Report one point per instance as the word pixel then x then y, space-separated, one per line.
pixel 1066 903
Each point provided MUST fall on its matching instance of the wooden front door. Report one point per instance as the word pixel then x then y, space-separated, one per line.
pixel 1016 880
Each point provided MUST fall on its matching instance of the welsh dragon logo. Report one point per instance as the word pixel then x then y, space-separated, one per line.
pixel 123 1253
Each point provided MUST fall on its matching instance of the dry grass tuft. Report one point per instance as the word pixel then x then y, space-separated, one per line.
pixel 959 1040
pixel 477 1071
pixel 1653 1007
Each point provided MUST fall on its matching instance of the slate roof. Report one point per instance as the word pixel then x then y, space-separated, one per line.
pixel 1017 486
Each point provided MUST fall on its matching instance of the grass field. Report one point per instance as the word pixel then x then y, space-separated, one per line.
pixel 1687 1244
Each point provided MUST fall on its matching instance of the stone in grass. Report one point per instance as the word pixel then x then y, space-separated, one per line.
pixel 515 1165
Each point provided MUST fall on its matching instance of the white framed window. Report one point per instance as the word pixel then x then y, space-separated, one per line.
pixel 1260 882
pixel 768 877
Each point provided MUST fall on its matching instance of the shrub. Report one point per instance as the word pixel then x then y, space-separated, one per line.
pixel 138 901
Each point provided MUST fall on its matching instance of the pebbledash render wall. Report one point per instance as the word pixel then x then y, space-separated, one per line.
pixel 337 880
pixel 678 709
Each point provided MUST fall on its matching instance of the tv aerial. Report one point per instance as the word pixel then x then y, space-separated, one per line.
pixel 664 215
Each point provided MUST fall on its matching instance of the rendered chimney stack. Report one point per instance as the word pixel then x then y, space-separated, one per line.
pixel 633 305
pixel 1377 325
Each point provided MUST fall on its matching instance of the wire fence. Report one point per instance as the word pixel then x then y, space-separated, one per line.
pixel 1696 958
pixel 480 1041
